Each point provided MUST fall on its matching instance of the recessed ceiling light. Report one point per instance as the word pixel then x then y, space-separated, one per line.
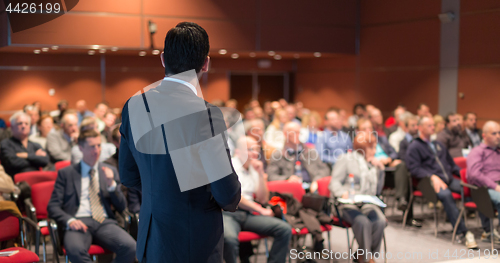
pixel 25 68
pixel 102 50
pixel 95 46
pixel 235 56
pixel 142 53
pixel 55 47
pixel 296 55
pixel 114 49
pixel 156 52
pixel 277 57
pixel 271 53
pixel 317 54
pixel 36 51
pixel 45 49
pixel 252 54
pixel 91 52
pixel 223 52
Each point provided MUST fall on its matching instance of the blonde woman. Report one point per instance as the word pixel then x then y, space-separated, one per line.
pixel 274 132
pixel 310 128
pixel 439 124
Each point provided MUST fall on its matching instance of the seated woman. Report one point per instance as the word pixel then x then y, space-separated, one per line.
pixel 367 221
pixel 310 129
pixel 274 132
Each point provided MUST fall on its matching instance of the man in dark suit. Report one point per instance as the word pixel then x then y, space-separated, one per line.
pixel 173 148
pixel 81 205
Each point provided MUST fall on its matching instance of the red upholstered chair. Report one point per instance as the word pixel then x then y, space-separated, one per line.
pixel 461 162
pixel 35 177
pixel 469 206
pixel 37 205
pixel 11 228
pixel 246 236
pixel 61 164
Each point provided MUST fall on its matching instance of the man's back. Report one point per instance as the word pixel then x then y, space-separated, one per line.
pixel 175 226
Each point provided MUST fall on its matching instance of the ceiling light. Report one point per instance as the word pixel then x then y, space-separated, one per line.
pixel 114 49
pixel 55 47
pixel 252 54
pixel 142 53
pixel 95 46
pixel 156 52
pixel 91 52
pixel 271 53
pixel 296 55
pixel 36 51
pixel 317 54
pixel 235 56
pixel 102 50
pixel 277 57
pixel 45 49
pixel 223 52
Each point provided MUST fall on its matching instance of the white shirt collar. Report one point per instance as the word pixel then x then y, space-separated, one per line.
pixel 189 85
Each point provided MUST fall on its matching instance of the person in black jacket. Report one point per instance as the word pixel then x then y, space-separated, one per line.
pixel 17 153
pixel 428 158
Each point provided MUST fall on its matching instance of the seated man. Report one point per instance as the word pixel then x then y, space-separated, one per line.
pixel 255 129
pixel 471 129
pixel 283 164
pixel 452 136
pixel 253 181
pixel 333 142
pixel 400 133
pixel 81 205
pixel 483 169
pixel 17 153
pixel 107 149
pixel 426 158
pixel 60 142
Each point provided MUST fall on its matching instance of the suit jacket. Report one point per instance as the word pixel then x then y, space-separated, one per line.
pixel 176 226
pixel 282 168
pixel 65 199
pixel 454 142
pixel 58 148
pixel 13 164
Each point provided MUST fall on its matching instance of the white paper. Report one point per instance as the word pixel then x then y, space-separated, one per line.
pixel 369 199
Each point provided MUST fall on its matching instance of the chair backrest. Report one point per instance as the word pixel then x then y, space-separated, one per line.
pixel 463 176
pixel 482 198
pixel 35 177
pixel 61 164
pixel 323 184
pixel 40 197
pixel 461 162
pixel 287 187
pixel 9 225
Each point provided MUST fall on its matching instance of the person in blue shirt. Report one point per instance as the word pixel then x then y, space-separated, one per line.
pixel 333 142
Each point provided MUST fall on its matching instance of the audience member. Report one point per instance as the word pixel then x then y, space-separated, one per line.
pixel 283 103
pixel 99 112
pixel 274 132
pixel 248 114
pixel 439 124
pixel 109 121
pixel 333 142
pixel 483 169
pixel 292 113
pixel 60 142
pixel 423 110
pixel 411 124
pixel 45 126
pixel 471 129
pixel 17 153
pixel 359 111
pixel 34 114
pixel 385 153
pixel 301 111
pixel 85 214
pixel 310 130
pixel 431 159
pixel 255 129
pixel 254 192
pixel 268 111
pixel 452 136
pixel 283 163
pixel 367 221
pixel 58 114
pixel 82 111
pixel 392 122
pixel 377 120
pixel 107 149
pixel 259 114
pixel 396 137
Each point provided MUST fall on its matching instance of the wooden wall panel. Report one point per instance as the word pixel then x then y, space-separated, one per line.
pixel 480 39
pixel 390 11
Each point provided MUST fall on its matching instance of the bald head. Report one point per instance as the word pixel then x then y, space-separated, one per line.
pixel 291 131
pixel 491 134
